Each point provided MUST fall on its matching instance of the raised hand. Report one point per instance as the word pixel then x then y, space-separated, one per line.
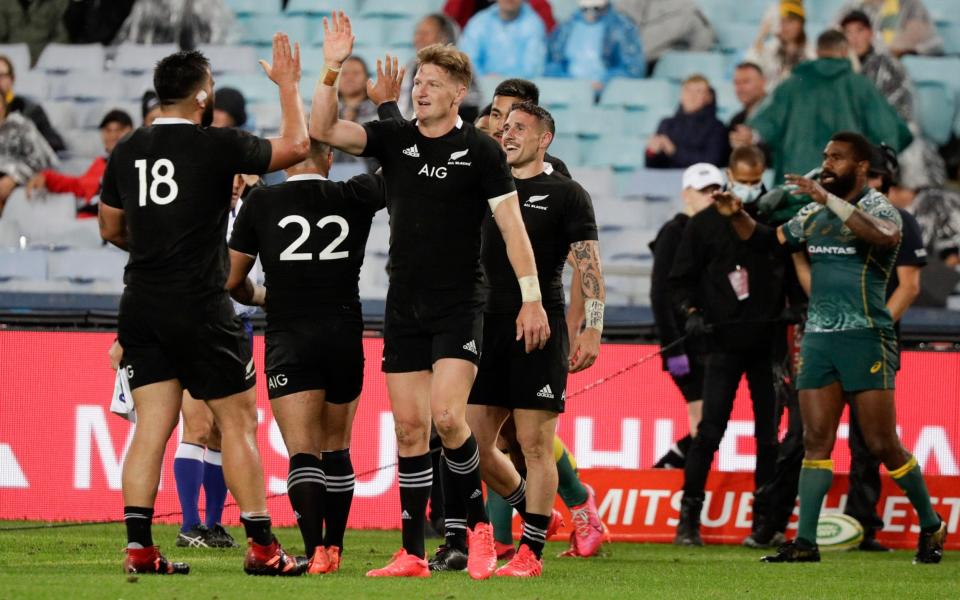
pixel 388 83
pixel 727 203
pixel 285 69
pixel 809 187
pixel 337 39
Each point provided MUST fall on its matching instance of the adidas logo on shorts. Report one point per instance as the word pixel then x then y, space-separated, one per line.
pixel 250 370
pixel 471 346
pixel 412 151
pixel 405 516
pixel 545 392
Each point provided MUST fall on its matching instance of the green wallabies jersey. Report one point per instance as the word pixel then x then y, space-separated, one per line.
pixel 849 276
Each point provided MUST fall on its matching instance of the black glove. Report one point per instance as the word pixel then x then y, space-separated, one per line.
pixel 695 327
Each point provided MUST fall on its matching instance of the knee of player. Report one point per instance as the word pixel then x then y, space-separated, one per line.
pixel 883 446
pixel 411 432
pixel 536 447
pixel 708 436
pixel 818 440
pixel 448 422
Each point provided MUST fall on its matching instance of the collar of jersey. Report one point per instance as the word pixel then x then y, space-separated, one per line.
pixel 307 177
pixel 172 121
pixel 459 124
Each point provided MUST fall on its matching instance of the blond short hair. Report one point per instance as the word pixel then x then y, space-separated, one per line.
pixel 448 58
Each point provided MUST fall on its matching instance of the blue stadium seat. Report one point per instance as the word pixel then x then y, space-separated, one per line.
pixel 259 29
pixel 734 36
pixel 677 66
pixel 936 106
pixel 649 94
pixel 399 32
pixel 23 265
pixel 950 33
pixel 320 7
pixel 61 58
pixel 140 58
pixel 87 86
pixel 564 92
pixel 368 31
pixel 929 69
pixel 86 266
pixel 487 85
pixel 406 8
pixel 371 53
pixel 567 148
pixel 34 84
pixel 943 11
pixel 232 59
pixel 19 55
pixel 745 11
pixel 597 121
pixel 255 88
pixel 254 7
pixel 824 11
pixel 619 152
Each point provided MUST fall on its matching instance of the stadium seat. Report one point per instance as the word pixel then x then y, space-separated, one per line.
pixel 135 84
pixel 19 55
pixel 950 33
pixel 930 69
pixel 259 30
pixel 598 181
pixel 567 148
pixel 748 12
pixel 86 266
pixel 34 84
pixel 399 32
pixel 140 58
pixel 727 102
pixel 826 10
pixel 943 11
pixel 23 265
pixel 255 88
pixel 621 153
pixel 936 106
pixel 32 218
pixel 369 31
pixel 82 142
pixel 487 84
pixel 320 7
pixel 62 113
pixel 87 86
pixel 563 9
pixel 60 58
pixel 734 36
pixel 406 8
pixel 564 92
pixel 232 59
pixel 254 7
pixel 677 66
pixel 648 94
pixel 370 54
pixel 596 121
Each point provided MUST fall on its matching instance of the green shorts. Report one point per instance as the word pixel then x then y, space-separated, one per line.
pixel 860 359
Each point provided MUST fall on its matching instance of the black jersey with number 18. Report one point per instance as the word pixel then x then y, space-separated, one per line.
pixel 310 234
pixel 173 181
pixel 556 212
pixel 438 190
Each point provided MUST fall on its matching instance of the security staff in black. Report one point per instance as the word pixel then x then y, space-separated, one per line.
pixel 441 174
pixel 736 290
pixel 310 234
pixel 166 194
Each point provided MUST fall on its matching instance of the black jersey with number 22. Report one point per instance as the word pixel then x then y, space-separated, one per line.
pixel 438 190
pixel 310 235
pixel 173 181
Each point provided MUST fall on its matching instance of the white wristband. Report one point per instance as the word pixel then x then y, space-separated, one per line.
pixel 530 288
pixel 259 295
pixel 841 208
pixel 594 313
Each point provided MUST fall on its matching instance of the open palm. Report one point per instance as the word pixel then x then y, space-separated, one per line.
pixel 337 39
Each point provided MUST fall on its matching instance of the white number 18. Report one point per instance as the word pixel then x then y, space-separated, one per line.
pixel 162 173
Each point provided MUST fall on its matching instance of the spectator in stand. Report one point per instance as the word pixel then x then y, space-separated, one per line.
pixel 778 55
pixel 506 39
pixel 751 88
pixel 694 134
pixel 33 22
pixel 23 152
pixel 187 23
pixel 902 27
pixel 877 65
pixel 462 10
pixel 483 120
pixel 669 25
pixel 436 28
pixel 355 106
pixel 230 109
pixel 149 107
pixel 86 187
pixel 597 43
pixel 822 97
pixel 26 106
pixel 96 21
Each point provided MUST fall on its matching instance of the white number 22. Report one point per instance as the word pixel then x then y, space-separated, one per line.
pixel 328 253
pixel 162 173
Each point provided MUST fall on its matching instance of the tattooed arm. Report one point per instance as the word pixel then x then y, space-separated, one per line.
pixel 586 346
pixel 575 313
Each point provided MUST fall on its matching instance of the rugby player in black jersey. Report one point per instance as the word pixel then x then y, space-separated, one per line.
pixel 441 176
pixel 559 219
pixel 166 194
pixel 310 234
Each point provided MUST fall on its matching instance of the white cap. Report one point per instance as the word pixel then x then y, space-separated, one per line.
pixel 702 175
pixel 593 3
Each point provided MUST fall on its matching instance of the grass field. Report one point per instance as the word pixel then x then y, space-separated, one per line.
pixel 84 562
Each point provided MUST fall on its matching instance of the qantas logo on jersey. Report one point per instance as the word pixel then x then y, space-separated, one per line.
pixel 412 151
pixel 532 202
pixel 456 156
pixel 842 250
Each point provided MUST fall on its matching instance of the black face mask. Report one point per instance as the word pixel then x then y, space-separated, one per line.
pixel 207 119
pixel 841 186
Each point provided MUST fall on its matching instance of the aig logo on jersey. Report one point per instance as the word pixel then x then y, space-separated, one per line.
pixel 456 156
pixel 276 381
pixel 436 172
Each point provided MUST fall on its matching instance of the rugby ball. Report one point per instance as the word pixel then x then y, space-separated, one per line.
pixel 837 531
